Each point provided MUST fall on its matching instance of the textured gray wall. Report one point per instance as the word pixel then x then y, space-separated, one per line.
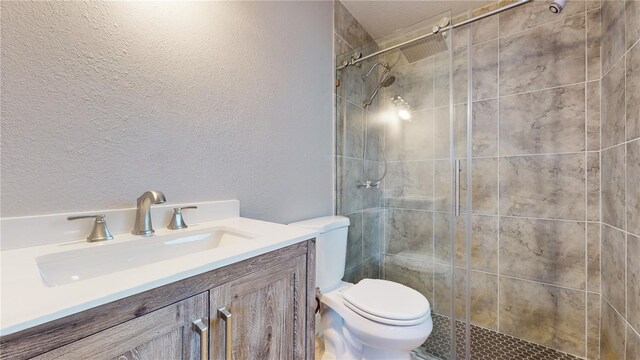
pixel 203 101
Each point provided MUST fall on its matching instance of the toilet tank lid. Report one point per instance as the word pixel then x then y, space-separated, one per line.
pixel 323 224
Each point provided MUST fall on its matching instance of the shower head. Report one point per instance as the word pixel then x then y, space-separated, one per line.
pixel 557 6
pixel 386 82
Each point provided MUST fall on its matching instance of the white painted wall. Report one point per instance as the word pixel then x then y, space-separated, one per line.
pixel 201 100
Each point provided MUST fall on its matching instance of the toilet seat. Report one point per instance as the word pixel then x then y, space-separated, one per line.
pixel 387 302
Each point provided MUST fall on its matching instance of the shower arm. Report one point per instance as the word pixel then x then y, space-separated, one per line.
pixel 436 29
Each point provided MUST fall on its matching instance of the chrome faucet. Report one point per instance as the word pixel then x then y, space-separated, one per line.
pixel 143 212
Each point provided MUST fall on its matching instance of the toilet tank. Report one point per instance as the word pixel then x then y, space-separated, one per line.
pixel 331 248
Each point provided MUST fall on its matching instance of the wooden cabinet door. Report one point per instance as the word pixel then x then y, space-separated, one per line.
pixel 165 334
pixel 267 314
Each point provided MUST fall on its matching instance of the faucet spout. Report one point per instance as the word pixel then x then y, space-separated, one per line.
pixel 143 224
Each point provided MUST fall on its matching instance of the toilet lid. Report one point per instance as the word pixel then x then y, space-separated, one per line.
pixel 387 302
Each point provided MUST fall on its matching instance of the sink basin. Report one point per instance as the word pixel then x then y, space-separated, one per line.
pixel 105 258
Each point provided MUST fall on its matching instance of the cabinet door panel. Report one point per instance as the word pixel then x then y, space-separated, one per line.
pixel 165 334
pixel 268 314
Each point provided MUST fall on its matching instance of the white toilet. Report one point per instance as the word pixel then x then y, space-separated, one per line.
pixel 373 319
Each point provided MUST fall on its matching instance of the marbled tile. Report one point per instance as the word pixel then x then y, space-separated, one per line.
pixel 354 240
pixel 593 257
pixel 632 24
pixel 460 130
pixel 414 273
pixel 350 131
pixel 372 198
pixel 485 128
pixel 442 235
pixel 485 186
pixel 613 186
pixel 593 326
pixel 372 227
pixel 593 186
pixel 633 280
pixel 543 186
pixel 349 174
pixel 411 140
pixel 487 28
pixel 633 344
pixel 409 185
pixel 414 82
pixel 547 121
pixel 460 75
pixel 593 45
pixel 543 314
pixel 632 92
pixel 350 84
pixel 461 34
pixel 441 79
pixel 441 133
pixel 633 187
pixel 442 286
pixel 484 67
pixel 484 243
pixel 534 14
pixel 613 264
pixel 613 45
pixel 409 233
pixel 371 267
pixel 593 116
pixel 442 194
pixel 593 4
pixel 612 328
pixel 348 27
pixel 483 298
pixel 613 109
pixel 548 251
pixel 339 47
pixel 542 57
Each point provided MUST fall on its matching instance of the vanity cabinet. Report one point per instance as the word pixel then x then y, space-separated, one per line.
pixel 266 315
pixel 168 333
pixel 269 302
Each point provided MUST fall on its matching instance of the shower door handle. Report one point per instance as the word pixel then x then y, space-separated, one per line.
pixel 457 187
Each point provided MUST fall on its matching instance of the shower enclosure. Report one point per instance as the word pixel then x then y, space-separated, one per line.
pixel 436 198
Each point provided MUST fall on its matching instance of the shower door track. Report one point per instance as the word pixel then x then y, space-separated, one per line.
pixel 436 30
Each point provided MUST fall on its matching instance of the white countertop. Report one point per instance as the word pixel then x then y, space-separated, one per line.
pixel 25 300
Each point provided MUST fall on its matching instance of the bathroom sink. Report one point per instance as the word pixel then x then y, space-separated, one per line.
pixel 104 258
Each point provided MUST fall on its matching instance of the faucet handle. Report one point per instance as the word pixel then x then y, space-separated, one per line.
pixel 177 221
pixel 100 230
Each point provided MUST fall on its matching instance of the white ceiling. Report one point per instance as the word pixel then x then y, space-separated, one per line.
pixel 382 17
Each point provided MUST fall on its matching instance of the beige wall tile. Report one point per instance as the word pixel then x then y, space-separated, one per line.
pixel 543 314
pixel 483 298
pixel 354 240
pixel 534 14
pixel 593 326
pixel 484 67
pixel 548 251
pixel 410 140
pixel 633 280
pixel 547 121
pixel 612 328
pixel 633 187
pixel 613 46
pixel 593 186
pixel 633 344
pixel 543 186
pixel 409 233
pixel 348 27
pixel 414 273
pixel 409 185
pixel 414 82
pixel 632 92
pixel 613 106
pixel 485 128
pixel 632 23
pixel 349 129
pixel 372 236
pixel 593 45
pixel 613 267
pixel 613 186
pixel 545 56
pixel 593 116
pixel 485 186
pixel 349 174
pixel 593 257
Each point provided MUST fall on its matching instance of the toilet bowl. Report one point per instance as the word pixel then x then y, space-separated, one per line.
pixel 353 333
pixel 373 319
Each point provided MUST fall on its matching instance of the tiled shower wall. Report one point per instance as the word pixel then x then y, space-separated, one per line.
pixel 360 205
pixel 620 156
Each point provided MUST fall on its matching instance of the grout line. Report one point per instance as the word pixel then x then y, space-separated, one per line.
pixel 586 184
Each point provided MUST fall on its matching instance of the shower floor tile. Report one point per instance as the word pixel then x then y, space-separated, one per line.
pixel 485 345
